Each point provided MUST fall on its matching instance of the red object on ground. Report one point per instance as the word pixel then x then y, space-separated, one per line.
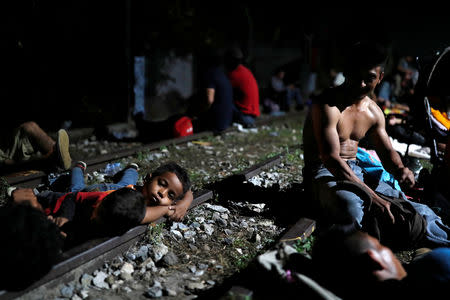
pixel 183 127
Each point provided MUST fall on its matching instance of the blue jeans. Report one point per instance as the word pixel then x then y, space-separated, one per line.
pixel 130 176
pixel 432 270
pixel 293 93
pixel 344 206
pixel 241 118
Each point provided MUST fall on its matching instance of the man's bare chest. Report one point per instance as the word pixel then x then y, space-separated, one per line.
pixel 354 124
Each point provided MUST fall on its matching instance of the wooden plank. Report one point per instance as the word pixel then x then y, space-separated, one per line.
pixel 301 230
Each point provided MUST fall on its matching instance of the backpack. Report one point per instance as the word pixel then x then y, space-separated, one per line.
pixel 408 230
pixel 183 127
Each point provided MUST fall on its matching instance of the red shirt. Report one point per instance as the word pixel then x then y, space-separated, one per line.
pixel 79 205
pixel 247 96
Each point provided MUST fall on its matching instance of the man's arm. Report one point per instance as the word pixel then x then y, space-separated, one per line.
pixel 325 119
pixel 390 159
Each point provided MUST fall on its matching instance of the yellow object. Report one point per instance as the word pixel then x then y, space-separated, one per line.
pixel 441 117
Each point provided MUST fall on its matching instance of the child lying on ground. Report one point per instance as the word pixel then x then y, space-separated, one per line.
pixel 115 207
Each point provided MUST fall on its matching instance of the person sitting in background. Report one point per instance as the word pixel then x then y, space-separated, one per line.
pixel 245 88
pixel 284 94
pixel 213 106
pixel 29 146
pixel 30 245
pixel 355 265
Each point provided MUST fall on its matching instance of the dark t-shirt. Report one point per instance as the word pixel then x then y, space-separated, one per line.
pixel 220 114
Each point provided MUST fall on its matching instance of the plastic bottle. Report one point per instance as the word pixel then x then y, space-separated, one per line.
pixel 112 168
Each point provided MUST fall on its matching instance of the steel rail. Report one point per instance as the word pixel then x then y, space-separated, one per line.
pixel 92 254
pixel 38 177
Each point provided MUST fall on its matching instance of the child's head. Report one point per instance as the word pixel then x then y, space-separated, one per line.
pixel 30 245
pixel 167 184
pixel 121 210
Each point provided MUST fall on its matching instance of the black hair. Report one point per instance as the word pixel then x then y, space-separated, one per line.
pixel 175 168
pixel 339 256
pixel 121 210
pixel 233 57
pixel 365 54
pixel 30 245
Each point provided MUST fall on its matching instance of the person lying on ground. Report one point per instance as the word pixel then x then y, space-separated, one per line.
pixel 29 146
pixel 338 119
pixel 355 265
pixel 166 192
pixel 30 245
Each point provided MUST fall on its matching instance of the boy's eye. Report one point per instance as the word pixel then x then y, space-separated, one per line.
pixel 172 196
pixel 162 182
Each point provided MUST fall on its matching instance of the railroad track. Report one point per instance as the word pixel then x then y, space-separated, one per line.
pixel 31 180
pixel 92 254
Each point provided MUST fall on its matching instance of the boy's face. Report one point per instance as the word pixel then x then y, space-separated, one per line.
pixel 163 189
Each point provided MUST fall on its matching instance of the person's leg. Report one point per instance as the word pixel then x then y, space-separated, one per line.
pixel 44 143
pixel 77 177
pixel 432 270
pixel 248 120
pixel 55 153
pixel 298 98
pixel 437 233
pixel 340 202
pixel 130 176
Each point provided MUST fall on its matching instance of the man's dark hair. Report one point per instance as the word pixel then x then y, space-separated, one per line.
pixel 175 168
pixel 365 55
pixel 233 57
pixel 121 210
pixel 30 246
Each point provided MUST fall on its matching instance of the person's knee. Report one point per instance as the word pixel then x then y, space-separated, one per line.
pixel 343 207
pixel 29 126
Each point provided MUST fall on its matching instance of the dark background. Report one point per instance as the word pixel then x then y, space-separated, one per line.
pixel 71 60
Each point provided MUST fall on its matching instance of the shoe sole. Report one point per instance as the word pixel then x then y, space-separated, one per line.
pixel 62 148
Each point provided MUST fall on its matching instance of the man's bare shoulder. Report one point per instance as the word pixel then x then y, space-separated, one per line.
pixel 375 108
pixel 329 97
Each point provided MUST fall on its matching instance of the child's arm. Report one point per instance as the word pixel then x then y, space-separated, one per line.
pixel 153 213
pixel 182 206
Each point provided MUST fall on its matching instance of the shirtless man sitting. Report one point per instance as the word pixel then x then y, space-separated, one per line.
pixel 338 119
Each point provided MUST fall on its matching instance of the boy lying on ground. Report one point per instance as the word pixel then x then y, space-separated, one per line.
pixel 115 207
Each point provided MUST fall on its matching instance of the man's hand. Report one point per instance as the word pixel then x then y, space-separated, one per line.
pixel 25 196
pixel 384 206
pixel 405 177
